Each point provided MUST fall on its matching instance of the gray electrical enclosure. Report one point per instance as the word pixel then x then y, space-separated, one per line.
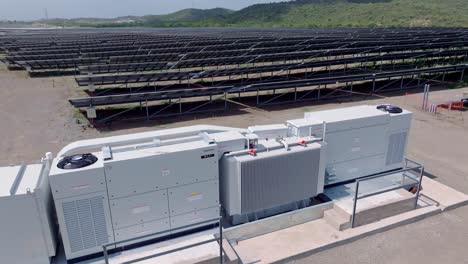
pixel 28 234
pixel 141 190
pixel 362 140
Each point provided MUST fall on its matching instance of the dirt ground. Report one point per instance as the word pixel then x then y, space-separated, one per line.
pixel 35 117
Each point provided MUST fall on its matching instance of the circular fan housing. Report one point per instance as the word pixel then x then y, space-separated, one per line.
pixel 390 109
pixel 77 161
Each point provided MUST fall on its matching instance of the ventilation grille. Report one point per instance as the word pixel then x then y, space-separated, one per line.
pixel 279 180
pixel 396 148
pixel 85 223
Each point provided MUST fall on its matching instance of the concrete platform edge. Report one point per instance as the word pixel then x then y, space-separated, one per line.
pixel 455 206
pixel 374 230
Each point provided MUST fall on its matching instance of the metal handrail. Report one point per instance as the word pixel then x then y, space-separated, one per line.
pixel 418 166
pixel 221 250
pixel 239 259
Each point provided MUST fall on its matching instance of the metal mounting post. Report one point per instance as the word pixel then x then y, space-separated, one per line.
pixel 225 101
pixel 373 84
pixel 180 105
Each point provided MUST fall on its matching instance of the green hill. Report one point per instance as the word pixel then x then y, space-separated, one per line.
pixel 188 17
pixel 310 13
pixel 332 13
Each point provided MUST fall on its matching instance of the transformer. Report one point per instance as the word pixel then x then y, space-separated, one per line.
pixel 274 177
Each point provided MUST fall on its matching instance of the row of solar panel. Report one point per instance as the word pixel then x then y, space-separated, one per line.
pixel 212 59
pixel 33 45
pixel 262 42
pixel 59 43
pixel 187 93
pixel 252 47
pixel 197 74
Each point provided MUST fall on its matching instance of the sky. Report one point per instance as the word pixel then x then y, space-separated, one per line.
pixel 35 9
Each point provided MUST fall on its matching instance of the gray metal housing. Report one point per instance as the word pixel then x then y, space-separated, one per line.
pixel 28 234
pixel 141 190
pixel 362 140
pixel 273 177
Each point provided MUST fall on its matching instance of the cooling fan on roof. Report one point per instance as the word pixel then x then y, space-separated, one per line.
pixel 77 161
pixel 390 109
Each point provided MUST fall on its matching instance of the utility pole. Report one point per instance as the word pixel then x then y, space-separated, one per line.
pixel 46 14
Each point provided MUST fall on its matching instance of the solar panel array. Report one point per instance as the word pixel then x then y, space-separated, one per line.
pixel 121 66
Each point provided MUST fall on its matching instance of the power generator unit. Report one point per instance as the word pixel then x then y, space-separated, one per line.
pixel 161 183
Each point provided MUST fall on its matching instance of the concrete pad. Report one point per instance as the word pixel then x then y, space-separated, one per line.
pixel 207 253
pixel 203 254
pixel 385 205
pixel 447 197
pixel 374 202
pixel 343 195
pixel 230 255
pixel 305 239
pixel 287 242
pixel 336 219
pixel 292 235
pixel 315 236
pixel 369 209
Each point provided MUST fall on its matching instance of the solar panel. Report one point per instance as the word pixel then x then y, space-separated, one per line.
pixel 173 94
pixel 189 62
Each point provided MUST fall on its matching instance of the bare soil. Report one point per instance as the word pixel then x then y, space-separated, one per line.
pixel 35 117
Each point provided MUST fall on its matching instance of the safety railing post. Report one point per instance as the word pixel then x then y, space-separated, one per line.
pixel 353 217
pixel 421 175
pixel 221 258
pixel 106 257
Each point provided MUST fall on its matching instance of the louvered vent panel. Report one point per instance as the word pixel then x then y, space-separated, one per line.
pixel 396 148
pixel 278 180
pixel 85 222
